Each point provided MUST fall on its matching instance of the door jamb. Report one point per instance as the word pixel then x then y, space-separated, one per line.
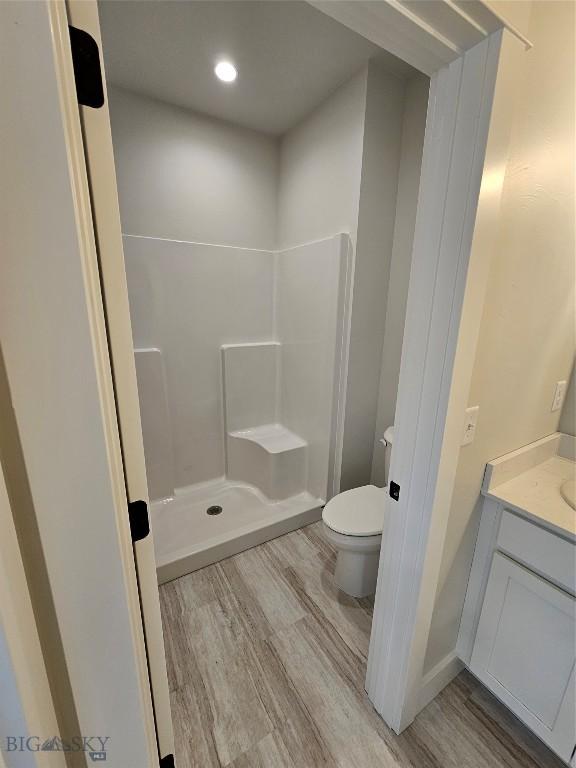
pixel 440 353
pixel 464 158
pixel 458 115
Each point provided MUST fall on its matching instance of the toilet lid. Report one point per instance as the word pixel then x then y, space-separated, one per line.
pixel 358 512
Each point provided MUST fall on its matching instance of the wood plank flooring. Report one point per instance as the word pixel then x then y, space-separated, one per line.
pixel 266 663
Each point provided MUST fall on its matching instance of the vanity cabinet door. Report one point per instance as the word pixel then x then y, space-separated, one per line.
pixel 525 651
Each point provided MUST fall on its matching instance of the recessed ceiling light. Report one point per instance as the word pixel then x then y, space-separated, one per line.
pixel 226 71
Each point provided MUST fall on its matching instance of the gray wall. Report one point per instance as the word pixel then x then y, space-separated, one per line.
pixel 320 167
pixel 414 124
pixel 377 209
pixel 184 176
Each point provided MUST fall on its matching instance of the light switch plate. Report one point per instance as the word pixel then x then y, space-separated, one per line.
pixel 469 432
pixel 559 394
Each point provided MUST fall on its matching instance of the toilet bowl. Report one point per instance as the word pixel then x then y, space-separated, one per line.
pixel 352 523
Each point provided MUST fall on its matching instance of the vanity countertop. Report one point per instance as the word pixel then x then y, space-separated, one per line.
pixel 529 482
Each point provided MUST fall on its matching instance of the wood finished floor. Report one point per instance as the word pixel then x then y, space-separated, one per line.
pixel 266 664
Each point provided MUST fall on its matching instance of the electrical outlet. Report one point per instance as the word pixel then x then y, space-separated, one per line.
pixel 559 393
pixel 469 432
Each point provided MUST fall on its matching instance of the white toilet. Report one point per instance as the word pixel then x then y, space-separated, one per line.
pixel 353 522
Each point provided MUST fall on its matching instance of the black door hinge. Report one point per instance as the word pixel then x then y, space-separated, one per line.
pixel 139 521
pixel 394 490
pixel 87 69
pixel 167 762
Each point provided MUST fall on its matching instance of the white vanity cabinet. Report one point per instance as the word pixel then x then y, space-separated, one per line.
pixel 518 628
pixel 525 650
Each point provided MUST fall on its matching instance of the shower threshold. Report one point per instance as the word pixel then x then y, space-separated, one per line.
pixel 190 532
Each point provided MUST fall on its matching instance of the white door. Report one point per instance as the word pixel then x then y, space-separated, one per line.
pixel 99 157
pixel 525 651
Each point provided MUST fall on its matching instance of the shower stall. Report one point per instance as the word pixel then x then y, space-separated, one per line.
pixel 267 229
pixel 240 358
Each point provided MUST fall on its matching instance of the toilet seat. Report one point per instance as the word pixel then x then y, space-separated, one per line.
pixel 357 512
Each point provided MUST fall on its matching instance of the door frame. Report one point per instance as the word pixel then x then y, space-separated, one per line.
pixel 472 71
pixel 457 223
pixel 100 173
pixel 468 62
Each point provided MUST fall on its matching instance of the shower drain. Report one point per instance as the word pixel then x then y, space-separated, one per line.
pixel 215 510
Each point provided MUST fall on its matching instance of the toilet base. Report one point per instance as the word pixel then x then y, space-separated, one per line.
pixel 356 573
pixel 357 561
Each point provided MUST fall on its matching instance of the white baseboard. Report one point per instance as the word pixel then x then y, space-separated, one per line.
pixel 438 678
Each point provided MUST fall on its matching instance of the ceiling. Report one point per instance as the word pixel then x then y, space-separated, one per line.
pixel 289 56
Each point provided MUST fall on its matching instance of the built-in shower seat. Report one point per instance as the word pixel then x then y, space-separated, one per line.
pixel 273 438
pixel 270 457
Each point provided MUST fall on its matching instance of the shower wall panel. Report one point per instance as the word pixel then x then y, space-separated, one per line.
pixel 312 283
pixel 250 375
pixel 155 419
pixel 187 300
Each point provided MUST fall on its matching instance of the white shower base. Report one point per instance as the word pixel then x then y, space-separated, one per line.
pixel 187 538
